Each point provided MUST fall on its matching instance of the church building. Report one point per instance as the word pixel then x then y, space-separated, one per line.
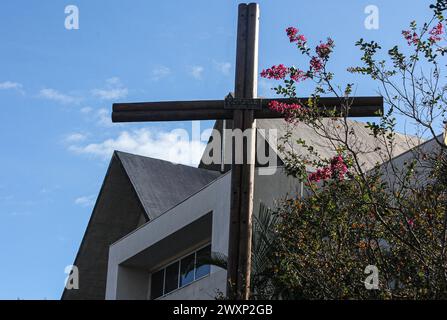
pixel 153 220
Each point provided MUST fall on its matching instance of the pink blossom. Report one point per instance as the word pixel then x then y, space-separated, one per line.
pixel 411 222
pixel 336 170
pixel 298 75
pixel 412 38
pixel 324 49
pixel 301 38
pixel 276 72
pixel 436 32
pixel 338 167
pixel 291 33
pixel 321 174
pixel 286 109
pixel 316 64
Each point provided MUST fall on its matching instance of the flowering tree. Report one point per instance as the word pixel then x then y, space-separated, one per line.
pixel 393 215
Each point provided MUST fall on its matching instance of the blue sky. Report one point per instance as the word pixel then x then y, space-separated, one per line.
pixel 57 87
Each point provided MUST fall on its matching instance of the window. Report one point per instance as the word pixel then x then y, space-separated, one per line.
pixel 181 273
pixel 157 283
pixel 171 278
pixel 187 270
pixel 203 269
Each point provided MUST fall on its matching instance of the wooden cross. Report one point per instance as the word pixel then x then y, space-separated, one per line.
pixel 243 109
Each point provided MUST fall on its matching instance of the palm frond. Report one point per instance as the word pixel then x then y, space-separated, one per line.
pixel 263 237
pixel 216 259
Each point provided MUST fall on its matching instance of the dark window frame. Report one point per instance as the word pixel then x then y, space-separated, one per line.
pixel 179 274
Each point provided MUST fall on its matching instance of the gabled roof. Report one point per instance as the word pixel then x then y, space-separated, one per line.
pixel 136 189
pixel 361 140
pixel 161 184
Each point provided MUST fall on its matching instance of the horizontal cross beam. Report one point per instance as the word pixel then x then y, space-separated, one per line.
pixel 217 109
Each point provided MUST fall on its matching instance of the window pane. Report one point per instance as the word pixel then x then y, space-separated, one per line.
pixel 203 255
pixel 187 270
pixel 157 284
pixel 171 282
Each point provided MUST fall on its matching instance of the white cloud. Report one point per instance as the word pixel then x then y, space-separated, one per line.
pixel 223 67
pixel 85 201
pixel 9 85
pixel 197 72
pixel 160 72
pixel 86 110
pixel 113 81
pixel 113 89
pixel 104 118
pixel 174 146
pixel 110 94
pixel 75 137
pixel 52 94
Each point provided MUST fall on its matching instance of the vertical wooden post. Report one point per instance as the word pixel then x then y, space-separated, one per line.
pixel 242 175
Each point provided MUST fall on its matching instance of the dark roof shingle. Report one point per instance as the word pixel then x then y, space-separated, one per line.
pixel 160 185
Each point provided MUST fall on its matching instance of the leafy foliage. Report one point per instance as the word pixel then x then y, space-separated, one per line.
pixel 393 216
pixel 325 241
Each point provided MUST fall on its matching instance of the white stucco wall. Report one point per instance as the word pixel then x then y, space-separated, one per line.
pixel 271 189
